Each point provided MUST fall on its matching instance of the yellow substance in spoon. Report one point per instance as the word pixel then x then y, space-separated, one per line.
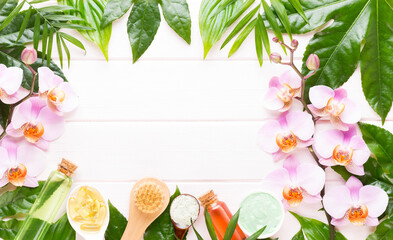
pixel 87 208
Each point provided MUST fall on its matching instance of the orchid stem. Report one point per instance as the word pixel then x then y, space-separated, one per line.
pixel 332 230
pixel 13 106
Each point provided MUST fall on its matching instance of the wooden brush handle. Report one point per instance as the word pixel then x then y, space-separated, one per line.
pixel 135 230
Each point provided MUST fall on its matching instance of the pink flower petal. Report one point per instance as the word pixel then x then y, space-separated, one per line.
pixel 275 181
pixel 371 221
pixel 361 152
pixel 53 124
pixel 303 144
pixel 47 79
pixel 267 136
pixel 340 222
pixel 311 178
pixel 351 113
pixel 271 101
pixel 326 141
pixel 11 131
pixel 18 95
pixel 327 162
pixel 311 198
pixel 4 161
pixel 291 164
pixel 71 100
pixel 320 95
pixel 274 82
pixel 301 124
pixel 318 112
pixel 337 201
pixel 30 182
pixel 375 199
pixel 340 94
pixel 11 79
pixel 3 180
pixel 279 155
pixel 42 144
pixel 353 184
pixel 355 169
pixel 291 78
pixel 337 123
pixel 22 114
pixel 33 158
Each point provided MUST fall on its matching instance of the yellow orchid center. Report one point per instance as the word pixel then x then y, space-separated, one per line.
pixel 286 93
pixel 293 195
pixel 16 175
pixel 358 214
pixel 56 96
pixel 334 108
pixel 342 155
pixel 286 141
pixel 33 132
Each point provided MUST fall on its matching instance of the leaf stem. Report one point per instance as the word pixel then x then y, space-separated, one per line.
pixel 332 230
pixel 14 105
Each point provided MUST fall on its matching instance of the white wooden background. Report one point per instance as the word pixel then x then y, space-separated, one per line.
pixel 174 116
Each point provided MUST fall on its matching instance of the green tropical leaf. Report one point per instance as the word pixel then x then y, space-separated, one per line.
pixel 263 32
pixel 282 15
pixel 209 225
pixel 11 16
pixel 18 201
pixel 239 11
pixel 223 5
pixel 375 60
pixel 242 36
pixel 72 40
pixel 117 224
pixel 232 225
pixel 142 26
pixel 61 230
pixel 9 228
pixel 272 20
pixel 316 230
pixel 37 28
pixel 56 8
pixel 199 237
pixel 240 26
pixel 162 227
pixel 114 10
pixel 212 28
pixel 299 235
pixel 59 49
pixel 6 7
pixel 65 17
pixel 384 230
pixel 92 12
pixel 256 234
pixel 177 15
pixel 258 41
pixel 296 4
pixel 66 50
pixel 4 112
pixel 24 23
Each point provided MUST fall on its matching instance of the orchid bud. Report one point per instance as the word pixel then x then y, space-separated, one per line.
pixel 29 55
pixel 294 43
pixel 312 62
pixel 275 39
pixel 275 57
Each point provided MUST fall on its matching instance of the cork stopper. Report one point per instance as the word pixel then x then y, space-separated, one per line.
pixel 67 167
pixel 208 198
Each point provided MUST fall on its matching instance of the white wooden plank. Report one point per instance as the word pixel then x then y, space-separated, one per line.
pixel 169 46
pixel 232 193
pixel 181 90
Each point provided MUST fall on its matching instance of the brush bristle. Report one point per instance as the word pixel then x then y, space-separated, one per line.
pixel 149 197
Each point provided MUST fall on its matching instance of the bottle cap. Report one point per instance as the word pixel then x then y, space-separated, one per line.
pixel 67 167
pixel 208 198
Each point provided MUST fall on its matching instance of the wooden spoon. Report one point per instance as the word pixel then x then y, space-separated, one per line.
pixel 149 198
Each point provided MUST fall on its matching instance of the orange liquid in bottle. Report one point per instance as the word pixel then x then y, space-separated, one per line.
pixel 220 215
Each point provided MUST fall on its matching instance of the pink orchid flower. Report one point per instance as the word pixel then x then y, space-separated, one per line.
pixel 10 84
pixel 334 105
pixel 355 203
pixel 337 147
pixel 20 165
pixel 295 182
pixel 292 130
pixel 281 91
pixel 34 121
pixel 59 95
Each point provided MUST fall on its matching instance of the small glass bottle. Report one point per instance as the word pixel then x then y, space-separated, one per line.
pixel 220 216
pixel 48 203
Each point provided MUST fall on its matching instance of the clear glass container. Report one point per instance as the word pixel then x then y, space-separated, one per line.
pixel 48 203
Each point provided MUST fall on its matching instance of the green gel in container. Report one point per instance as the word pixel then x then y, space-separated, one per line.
pixel 259 210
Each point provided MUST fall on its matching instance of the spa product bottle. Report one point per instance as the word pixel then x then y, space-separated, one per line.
pixel 220 216
pixel 47 204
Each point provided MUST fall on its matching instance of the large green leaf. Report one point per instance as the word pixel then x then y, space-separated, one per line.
pixel 375 59
pixel 209 225
pixel 162 227
pixel 92 12
pixel 384 230
pixel 232 225
pixel 379 141
pixel 338 46
pixel 177 16
pixel 114 10
pixel 61 230
pixel 316 230
pixel 299 235
pixel 117 224
pixel 9 229
pixel 142 26
pixel 213 26
pixel 18 201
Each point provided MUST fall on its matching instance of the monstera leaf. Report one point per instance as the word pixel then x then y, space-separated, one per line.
pixel 339 46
